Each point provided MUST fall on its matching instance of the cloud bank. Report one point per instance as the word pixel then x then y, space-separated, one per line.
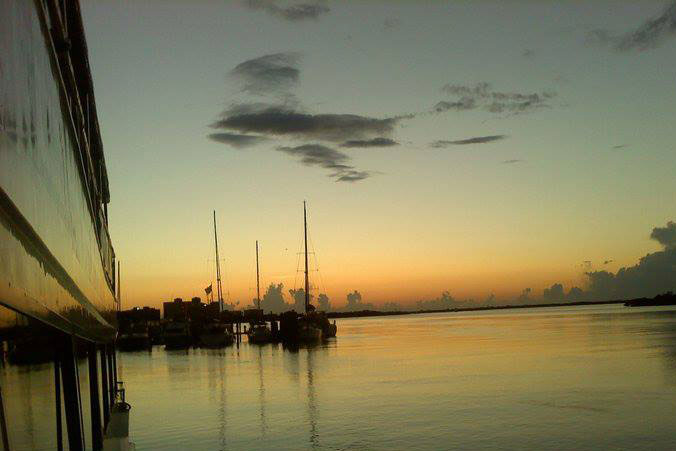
pixel 654 273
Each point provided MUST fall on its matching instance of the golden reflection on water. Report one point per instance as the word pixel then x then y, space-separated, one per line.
pixel 566 378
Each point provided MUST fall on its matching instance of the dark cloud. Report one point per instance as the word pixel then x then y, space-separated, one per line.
pixel 514 161
pixel 317 155
pixel 666 236
pixel 275 73
pixel 282 121
pixel 605 262
pixel 620 146
pixel 352 176
pixel 464 104
pixel 463 142
pixel 653 274
pixel 294 13
pixel 237 141
pixel 375 142
pixel 648 35
pixel 482 96
pixel 327 158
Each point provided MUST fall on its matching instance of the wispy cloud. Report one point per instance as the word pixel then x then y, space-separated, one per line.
pixel 528 53
pixel 327 158
pixel 463 104
pixel 237 141
pixel 482 96
pixel 270 74
pixel 375 142
pixel 464 142
pixel 352 176
pixel 293 13
pixel 648 35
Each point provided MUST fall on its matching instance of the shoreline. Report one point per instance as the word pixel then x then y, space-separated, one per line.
pixel 370 313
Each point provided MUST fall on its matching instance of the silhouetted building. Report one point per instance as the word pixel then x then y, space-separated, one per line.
pixel 176 310
pixel 137 315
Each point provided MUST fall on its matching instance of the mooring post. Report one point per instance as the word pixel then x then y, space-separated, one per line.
pixel 57 400
pixel 104 386
pixel 111 382
pixel 71 395
pixel 3 424
pixel 95 407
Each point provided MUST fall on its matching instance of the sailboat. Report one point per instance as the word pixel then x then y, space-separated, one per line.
pixel 259 332
pixel 216 334
pixel 313 325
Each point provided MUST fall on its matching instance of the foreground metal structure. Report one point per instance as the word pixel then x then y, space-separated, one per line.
pixel 57 265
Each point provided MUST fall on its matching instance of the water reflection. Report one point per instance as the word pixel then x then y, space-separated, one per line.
pixel 261 392
pixel 557 379
pixel 311 399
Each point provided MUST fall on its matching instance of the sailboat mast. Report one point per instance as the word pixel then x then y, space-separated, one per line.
pixel 218 268
pixel 258 281
pixel 307 279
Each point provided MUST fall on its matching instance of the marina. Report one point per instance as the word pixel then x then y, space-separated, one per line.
pixel 494 282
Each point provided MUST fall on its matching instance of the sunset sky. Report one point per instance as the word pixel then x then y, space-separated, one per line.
pixel 477 147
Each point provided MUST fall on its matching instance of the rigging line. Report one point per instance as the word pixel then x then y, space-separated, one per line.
pixel 321 277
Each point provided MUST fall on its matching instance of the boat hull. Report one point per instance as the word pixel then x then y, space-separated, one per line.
pixel 216 340
pixel 57 260
pixel 134 342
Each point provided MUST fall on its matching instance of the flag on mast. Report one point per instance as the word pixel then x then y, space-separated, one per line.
pixel 207 290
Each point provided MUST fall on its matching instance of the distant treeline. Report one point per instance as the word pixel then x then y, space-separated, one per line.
pixel 364 313
pixel 668 298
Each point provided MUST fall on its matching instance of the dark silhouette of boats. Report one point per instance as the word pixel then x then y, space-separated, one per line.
pixel 136 338
pixel 176 335
pixel 216 335
pixel 259 332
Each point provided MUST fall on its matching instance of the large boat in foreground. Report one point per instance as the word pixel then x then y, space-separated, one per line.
pixel 57 264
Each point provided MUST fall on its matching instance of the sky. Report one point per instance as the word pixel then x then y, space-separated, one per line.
pixel 489 149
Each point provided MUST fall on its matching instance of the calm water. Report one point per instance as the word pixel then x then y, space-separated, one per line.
pixel 557 378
